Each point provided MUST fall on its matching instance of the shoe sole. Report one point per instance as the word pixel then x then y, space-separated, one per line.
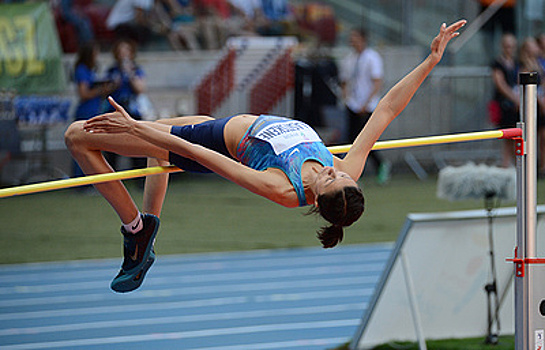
pixel 129 282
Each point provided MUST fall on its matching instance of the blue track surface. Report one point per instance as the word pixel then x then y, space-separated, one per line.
pixel 300 299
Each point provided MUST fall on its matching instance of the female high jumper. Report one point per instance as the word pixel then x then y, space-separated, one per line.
pixel 280 159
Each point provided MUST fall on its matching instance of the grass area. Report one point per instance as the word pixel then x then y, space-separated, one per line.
pixel 504 343
pixel 201 214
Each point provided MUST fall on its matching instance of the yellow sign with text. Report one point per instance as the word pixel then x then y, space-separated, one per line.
pixel 30 54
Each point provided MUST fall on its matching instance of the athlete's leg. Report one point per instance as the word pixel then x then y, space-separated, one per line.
pixel 156 185
pixel 86 149
pixel 155 189
pixel 138 251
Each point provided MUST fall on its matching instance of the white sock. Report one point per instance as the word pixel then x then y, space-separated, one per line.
pixel 135 225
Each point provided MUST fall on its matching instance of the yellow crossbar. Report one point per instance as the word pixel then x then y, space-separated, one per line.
pixel 130 174
pixel 436 140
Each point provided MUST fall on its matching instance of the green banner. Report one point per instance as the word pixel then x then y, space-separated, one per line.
pixel 30 53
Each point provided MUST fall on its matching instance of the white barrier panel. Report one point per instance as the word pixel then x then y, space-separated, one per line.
pixel 446 259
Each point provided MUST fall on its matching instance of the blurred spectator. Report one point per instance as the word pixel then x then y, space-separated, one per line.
pixel 529 62
pixel 317 21
pixel 221 19
pixel 178 17
pixel 131 87
pixel 211 17
pixel 317 95
pixel 541 42
pixel 81 21
pixel 503 21
pixel 247 8
pixel 529 56
pixel 244 16
pixel 277 18
pixel 247 11
pixel 128 76
pixel 78 20
pixel 130 19
pixel 506 100
pixel 361 75
pixel 91 91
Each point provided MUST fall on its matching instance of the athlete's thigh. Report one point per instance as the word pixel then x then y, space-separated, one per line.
pixel 120 143
pixel 132 146
pixel 188 120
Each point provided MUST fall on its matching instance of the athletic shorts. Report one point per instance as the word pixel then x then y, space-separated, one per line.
pixel 208 134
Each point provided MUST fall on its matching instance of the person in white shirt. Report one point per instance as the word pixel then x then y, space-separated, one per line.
pixel 130 19
pixel 361 75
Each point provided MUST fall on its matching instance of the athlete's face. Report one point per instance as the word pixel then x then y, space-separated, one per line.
pixel 330 180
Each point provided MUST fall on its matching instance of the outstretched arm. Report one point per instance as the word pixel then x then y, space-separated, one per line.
pixel 261 183
pixel 394 102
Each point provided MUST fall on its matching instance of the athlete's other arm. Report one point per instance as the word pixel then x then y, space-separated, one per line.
pixel 394 102
pixel 263 183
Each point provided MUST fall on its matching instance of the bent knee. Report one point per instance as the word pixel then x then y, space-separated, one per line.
pixel 74 135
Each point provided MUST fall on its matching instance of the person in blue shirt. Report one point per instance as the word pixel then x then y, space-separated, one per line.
pixel 129 79
pixel 128 76
pixel 277 18
pixel 90 89
pixel 280 159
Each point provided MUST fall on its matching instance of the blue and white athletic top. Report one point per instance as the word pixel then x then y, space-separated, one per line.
pixel 285 144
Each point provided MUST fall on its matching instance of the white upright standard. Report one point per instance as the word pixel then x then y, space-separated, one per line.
pixel 529 269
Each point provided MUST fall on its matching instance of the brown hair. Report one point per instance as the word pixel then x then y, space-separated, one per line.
pixel 340 208
pixel 528 60
pixel 362 32
pixel 86 55
pixel 132 45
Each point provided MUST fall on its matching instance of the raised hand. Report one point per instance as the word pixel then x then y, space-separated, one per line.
pixel 440 42
pixel 116 122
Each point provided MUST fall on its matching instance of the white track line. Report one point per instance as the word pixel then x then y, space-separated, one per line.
pixel 268 298
pixel 185 335
pixel 213 278
pixel 190 290
pixel 139 322
pixel 98 271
